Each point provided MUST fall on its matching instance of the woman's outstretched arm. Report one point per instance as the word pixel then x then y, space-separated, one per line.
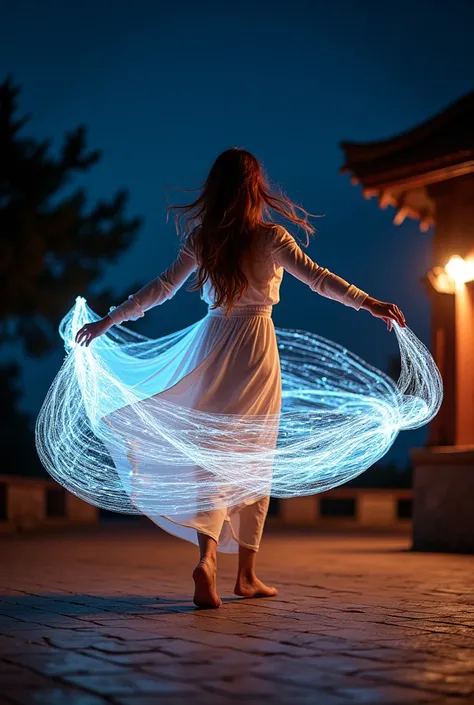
pixel 152 294
pixel 158 290
pixel 289 255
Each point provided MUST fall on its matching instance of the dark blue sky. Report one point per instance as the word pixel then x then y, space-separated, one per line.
pixel 164 87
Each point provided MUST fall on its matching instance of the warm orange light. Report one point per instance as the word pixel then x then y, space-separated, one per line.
pixel 453 275
pixel 460 270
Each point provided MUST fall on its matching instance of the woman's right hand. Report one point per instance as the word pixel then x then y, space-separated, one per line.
pixel 387 312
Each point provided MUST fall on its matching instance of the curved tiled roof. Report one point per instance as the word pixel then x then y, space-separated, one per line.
pixel 398 170
pixel 443 144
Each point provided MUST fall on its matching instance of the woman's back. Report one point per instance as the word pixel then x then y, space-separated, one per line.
pixel 272 251
pixel 263 274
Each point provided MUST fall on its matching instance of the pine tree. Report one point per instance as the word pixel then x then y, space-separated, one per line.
pixel 53 244
pixel 16 438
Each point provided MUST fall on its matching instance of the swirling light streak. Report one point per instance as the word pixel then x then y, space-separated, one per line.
pixel 104 434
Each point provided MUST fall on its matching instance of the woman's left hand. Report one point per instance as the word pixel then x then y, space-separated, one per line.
pixel 93 330
pixel 389 313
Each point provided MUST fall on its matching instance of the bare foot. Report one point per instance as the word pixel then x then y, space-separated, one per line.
pixel 205 591
pixel 251 586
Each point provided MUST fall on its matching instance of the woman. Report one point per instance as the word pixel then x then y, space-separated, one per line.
pixel 238 256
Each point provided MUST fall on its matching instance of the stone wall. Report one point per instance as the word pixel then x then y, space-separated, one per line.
pixel 349 507
pixel 29 504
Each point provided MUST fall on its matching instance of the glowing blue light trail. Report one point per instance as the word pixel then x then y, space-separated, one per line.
pixel 105 434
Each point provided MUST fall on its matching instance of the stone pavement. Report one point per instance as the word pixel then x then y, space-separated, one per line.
pixel 106 617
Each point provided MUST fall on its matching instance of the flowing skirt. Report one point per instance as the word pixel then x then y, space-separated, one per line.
pixel 229 365
pixel 196 429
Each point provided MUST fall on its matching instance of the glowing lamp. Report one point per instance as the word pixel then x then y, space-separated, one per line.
pixel 453 275
pixel 460 270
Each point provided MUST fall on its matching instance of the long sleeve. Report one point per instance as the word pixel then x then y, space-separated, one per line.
pixel 289 255
pixel 158 290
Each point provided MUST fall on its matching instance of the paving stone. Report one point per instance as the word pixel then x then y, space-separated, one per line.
pixel 385 654
pixel 204 698
pixel 249 687
pixel 334 664
pixel 58 663
pixel 13 679
pixel 129 659
pixel 55 695
pixel 114 646
pixel 205 672
pixel 89 619
pixel 78 640
pixel 132 683
pixel 428 680
pixel 386 695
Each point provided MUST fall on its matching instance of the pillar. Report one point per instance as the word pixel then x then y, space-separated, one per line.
pixel 443 487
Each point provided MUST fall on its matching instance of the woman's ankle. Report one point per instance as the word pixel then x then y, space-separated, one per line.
pixel 210 560
pixel 248 575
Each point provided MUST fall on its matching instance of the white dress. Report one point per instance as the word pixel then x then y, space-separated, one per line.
pixel 230 365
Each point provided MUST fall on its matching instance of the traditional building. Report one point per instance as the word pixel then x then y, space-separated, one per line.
pixel 427 173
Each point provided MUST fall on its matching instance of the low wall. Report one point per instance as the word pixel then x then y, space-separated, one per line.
pixel 348 507
pixel 29 504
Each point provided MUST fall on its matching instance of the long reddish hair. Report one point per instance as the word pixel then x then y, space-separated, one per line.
pixel 234 203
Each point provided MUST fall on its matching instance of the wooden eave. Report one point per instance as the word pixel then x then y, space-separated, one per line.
pixel 398 170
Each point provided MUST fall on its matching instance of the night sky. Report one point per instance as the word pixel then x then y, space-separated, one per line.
pixel 163 87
